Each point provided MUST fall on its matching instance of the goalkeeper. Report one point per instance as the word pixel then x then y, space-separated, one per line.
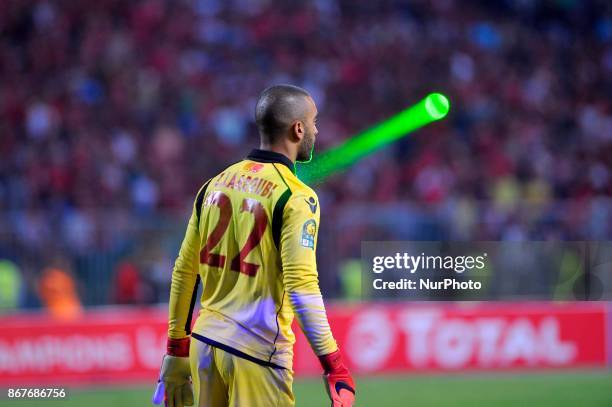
pixel 251 242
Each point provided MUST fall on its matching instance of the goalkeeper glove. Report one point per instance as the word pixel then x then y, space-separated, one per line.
pixel 174 384
pixel 337 379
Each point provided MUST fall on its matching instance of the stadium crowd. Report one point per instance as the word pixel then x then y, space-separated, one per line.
pixel 112 114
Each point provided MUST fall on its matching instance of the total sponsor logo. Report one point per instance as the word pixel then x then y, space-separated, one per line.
pixel 432 340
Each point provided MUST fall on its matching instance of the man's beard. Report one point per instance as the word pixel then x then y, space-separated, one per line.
pixel 305 151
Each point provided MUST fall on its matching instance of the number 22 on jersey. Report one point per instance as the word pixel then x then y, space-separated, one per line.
pixel 238 263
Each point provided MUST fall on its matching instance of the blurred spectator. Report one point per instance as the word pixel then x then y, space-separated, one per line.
pixel 58 294
pixel 10 286
pixel 128 285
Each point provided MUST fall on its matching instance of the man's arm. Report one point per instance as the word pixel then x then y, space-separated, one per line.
pixel 174 384
pixel 184 277
pixel 298 255
pixel 183 288
pixel 300 277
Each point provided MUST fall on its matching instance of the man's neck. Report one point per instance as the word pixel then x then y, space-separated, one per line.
pixel 281 149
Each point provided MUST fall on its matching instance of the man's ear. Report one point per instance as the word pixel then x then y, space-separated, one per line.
pixel 298 130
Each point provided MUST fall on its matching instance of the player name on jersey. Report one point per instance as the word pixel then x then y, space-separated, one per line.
pixel 246 183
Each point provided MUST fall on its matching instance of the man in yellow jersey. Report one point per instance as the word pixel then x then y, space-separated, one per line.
pixel 251 242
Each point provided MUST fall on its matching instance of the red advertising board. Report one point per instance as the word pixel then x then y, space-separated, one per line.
pixel 469 336
pixel 609 335
pixel 104 346
pixel 123 345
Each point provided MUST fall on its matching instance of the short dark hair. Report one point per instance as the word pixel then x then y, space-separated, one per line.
pixel 279 106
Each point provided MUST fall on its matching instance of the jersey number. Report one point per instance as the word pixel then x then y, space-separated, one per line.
pixel 238 263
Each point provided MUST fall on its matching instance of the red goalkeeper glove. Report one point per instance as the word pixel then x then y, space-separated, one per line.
pixel 337 379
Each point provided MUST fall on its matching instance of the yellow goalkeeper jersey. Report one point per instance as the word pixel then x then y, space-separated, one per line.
pixel 251 241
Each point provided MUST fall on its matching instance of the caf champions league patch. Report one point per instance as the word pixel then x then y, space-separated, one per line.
pixel 308 233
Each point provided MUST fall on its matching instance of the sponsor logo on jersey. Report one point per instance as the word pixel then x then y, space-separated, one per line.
pixel 312 204
pixel 309 231
pixel 253 167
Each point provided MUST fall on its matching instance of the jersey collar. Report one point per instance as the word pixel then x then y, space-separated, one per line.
pixel 266 156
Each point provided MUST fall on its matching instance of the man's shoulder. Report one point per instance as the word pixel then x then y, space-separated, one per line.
pixel 301 191
pixel 296 185
pixel 302 196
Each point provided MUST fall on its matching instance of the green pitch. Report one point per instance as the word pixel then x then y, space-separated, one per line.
pixel 551 389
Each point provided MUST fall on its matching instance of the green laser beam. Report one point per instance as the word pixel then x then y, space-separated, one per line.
pixel 433 107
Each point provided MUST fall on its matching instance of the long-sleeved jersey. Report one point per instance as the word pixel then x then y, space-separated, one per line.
pixel 251 241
